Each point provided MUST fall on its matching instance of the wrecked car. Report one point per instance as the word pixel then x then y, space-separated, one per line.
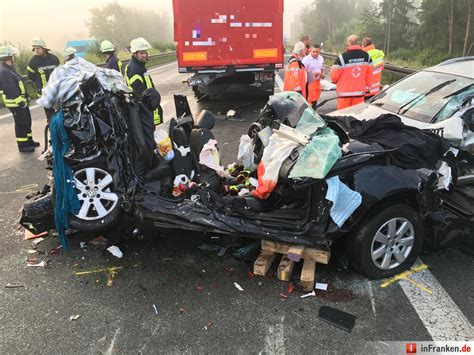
pixel 305 180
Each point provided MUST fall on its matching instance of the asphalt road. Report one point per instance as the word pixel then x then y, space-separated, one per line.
pixel 198 309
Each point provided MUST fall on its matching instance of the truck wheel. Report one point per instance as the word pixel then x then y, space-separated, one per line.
pixel 387 243
pixel 100 205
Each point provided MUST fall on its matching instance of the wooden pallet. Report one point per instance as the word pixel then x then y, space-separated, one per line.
pixel 291 254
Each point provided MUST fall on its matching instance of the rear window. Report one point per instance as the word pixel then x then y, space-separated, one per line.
pixel 426 96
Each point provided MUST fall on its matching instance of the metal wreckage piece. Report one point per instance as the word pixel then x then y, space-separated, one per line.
pixel 106 127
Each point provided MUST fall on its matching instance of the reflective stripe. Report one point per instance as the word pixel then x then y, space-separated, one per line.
pixel 30 69
pixel 376 84
pixel 376 71
pixel 29 135
pixel 341 59
pixel 134 78
pixel 298 88
pixel 349 94
pixel 377 61
pixel 13 102
pixel 356 64
pixel 148 81
pixel 293 69
pixel 22 139
pixel 22 87
pixel 156 117
pixel 43 77
pixel 120 65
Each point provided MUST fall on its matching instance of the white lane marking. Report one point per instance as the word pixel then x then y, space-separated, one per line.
pixel 110 349
pixel 275 339
pixel 150 71
pixel 279 81
pixel 440 315
pixel 372 298
pixel 10 115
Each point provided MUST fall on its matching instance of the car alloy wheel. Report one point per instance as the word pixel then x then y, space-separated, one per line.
pixel 94 189
pixel 393 243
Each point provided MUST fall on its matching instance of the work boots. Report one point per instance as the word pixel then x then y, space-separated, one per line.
pixel 25 147
pixel 32 143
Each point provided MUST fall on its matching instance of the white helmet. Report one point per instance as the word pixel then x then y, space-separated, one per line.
pixel 68 52
pixel 8 51
pixel 38 42
pixel 139 44
pixel 106 47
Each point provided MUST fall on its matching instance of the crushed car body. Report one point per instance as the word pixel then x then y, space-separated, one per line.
pixel 319 180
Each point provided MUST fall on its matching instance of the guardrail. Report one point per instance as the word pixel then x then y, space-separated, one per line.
pixel 388 67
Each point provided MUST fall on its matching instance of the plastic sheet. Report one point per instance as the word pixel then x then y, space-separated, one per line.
pixel 345 201
pixel 310 121
pixel 318 156
pixel 209 157
pixel 245 154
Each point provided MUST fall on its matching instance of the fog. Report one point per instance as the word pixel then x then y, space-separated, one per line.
pixel 57 21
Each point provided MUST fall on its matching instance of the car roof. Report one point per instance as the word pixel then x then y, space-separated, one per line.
pixel 463 66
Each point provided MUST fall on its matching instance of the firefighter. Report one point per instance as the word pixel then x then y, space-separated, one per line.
pixel 69 53
pixel 139 81
pixel 112 62
pixel 40 68
pixel 314 63
pixel 295 73
pixel 352 74
pixel 377 57
pixel 15 97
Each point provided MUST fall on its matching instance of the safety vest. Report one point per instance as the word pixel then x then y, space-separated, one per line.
pixel 377 56
pixel 39 69
pixel 352 72
pixel 295 76
pixel 12 88
pixel 138 81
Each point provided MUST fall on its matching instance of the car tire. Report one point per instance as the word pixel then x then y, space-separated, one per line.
pixel 387 242
pixel 100 205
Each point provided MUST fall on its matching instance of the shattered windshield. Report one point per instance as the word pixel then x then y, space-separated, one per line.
pixel 426 95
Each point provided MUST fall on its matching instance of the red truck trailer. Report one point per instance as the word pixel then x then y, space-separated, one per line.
pixel 231 46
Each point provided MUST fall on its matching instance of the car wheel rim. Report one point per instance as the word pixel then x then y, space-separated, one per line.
pixel 95 192
pixel 393 243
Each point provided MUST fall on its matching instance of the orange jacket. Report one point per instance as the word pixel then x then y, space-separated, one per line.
pixel 352 72
pixel 295 76
pixel 377 57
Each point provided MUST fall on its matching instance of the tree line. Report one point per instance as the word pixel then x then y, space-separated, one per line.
pixel 425 32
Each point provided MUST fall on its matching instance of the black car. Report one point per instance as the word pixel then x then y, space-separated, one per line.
pixel 120 180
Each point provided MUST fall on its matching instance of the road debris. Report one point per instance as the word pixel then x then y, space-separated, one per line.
pixel 222 251
pixel 321 286
pixel 182 310
pixel 40 264
pixel 291 288
pixel 209 324
pixel 32 257
pixel 37 241
pixel 109 269
pixel 213 248
pixel 74 317
pixel 55 250
pixel 340 319
pixel 156 309
pixel 13 286
pixel 111 277
pixel 311 294
pixel 29 235
pixel 99 242
pixel 238 287
pixel 115 251
pixel 83 245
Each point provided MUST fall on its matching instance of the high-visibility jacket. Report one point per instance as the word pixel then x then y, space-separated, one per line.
pixel 12 87
pixel 377 56
pixel 40 68
pixel 352 72
pixel 138 81
pixel 113 62
pixel 295 76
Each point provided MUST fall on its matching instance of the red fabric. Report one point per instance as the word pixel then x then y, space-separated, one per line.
pixel 314 91
pixel 351 79
pixel 265 187
pixel 343 102
pixel 295 77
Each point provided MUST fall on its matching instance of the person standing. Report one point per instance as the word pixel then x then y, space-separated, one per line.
pixel 295 73
pixel 137 78
pixel 112 62
pixel 306 39
pixel 40 67
pixel 377 57
pixel 352 74
pixel 15 98
pixel 314 63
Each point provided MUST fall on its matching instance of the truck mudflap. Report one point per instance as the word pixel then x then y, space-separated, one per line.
pixel 231 83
